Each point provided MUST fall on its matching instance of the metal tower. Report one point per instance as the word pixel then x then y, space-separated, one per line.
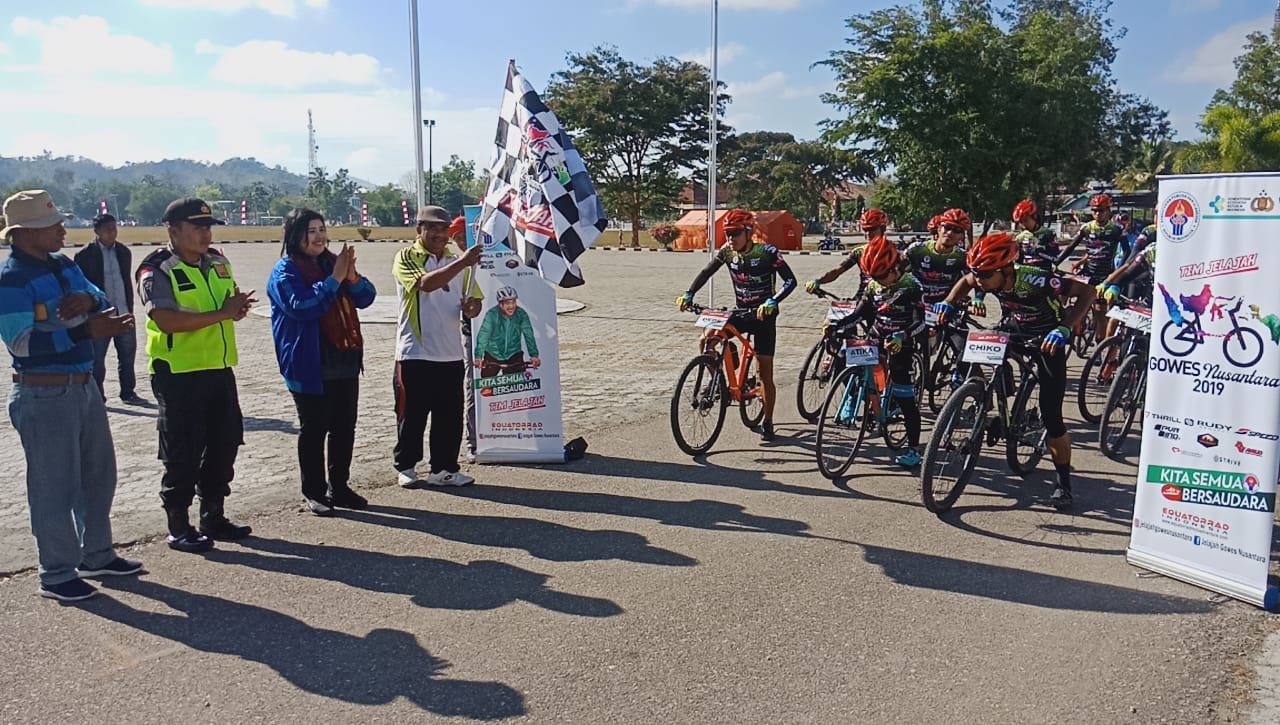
pixel 311 145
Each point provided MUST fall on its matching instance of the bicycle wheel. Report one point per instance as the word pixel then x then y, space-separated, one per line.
pixel 1123 402
pixel 1246 354
pixel 939 387
pixel 1181 342
pixel 840 424
pixel 1024 441
pixel 919 366
pixel 1095 379
pixel 1082 340
pixel 953 448
pixel 752 406
pixel 698 405
pixel 815 376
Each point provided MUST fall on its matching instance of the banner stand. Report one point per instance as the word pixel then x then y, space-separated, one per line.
pixel 1204 508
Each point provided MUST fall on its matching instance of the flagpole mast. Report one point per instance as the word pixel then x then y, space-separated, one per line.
pixel 417 100
pixel 711 146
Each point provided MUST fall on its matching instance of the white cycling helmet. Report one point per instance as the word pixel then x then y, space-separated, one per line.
pixel 506 293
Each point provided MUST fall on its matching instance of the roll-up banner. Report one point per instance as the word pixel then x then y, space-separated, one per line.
pixel 1206 488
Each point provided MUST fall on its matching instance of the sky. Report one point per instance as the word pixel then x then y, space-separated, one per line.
pixel 142 80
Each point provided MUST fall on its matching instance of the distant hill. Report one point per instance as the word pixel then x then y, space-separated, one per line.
pixel 184 173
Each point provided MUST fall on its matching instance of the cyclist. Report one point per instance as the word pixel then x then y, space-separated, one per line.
pixel 938 263
pixel 1137 275
pixel 935 222
pixel 874 223
pixel 1102 236
pixel 1031 301
pixel 1038 244
pixel 753 268
pixel 892 304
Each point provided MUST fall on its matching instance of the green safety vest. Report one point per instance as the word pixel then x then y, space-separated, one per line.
pixel 209 348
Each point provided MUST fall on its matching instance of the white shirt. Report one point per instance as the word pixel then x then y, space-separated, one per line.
pixel 439 313
pixel 112 282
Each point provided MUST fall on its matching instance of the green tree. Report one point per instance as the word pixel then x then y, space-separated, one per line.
pixel 150 198
pixel 769 170
pixel 1155 158
pixel 1242 124
pixel 638 127
pixel 456 185
pixel 384 205
pixel 922 91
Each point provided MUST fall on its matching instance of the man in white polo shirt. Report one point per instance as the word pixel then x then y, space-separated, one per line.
pixel 435 285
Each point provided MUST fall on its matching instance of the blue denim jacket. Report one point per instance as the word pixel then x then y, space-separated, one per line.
pixel 30 292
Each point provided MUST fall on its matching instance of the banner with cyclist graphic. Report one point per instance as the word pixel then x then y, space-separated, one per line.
pixel 1206 488
pixel 516 350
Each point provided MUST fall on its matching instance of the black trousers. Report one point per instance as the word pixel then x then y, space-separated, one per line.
pixel 201 430
pixel 327 417
pixel 428 389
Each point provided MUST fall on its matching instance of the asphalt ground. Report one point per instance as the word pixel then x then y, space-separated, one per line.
pixel 636 585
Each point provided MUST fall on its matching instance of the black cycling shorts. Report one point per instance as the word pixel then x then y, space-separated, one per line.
pixel 764 333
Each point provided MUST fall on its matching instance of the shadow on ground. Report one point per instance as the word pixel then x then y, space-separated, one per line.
pixel 375 669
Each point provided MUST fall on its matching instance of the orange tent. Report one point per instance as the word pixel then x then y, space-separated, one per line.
pixel 778 228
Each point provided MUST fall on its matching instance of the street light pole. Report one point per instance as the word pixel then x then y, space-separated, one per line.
pixel 431 172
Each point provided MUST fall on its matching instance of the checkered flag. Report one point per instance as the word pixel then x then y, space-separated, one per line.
pixel 540 201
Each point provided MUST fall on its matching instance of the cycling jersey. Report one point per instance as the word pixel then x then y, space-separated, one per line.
pixel 1038 247
pixel 1101 242
pixel 753 273
pixel 895 307
pixel 854 259
pixel 936 271
pixel 1033 306
pixel 1142 278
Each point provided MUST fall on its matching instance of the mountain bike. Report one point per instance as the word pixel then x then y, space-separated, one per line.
pixel 823 363
pixel 1129 388
pixel 949 342
pixel 857 403
pixel 967 418
pixel 1100 368
pixel 715 377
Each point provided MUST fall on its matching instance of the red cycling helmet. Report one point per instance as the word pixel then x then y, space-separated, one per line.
pixel 932 226
pixel 956 218
pixel 736 219
pixel 1025 208
pixel 993 251
pixel 879 257
pixel 873 218
pixel 1100 201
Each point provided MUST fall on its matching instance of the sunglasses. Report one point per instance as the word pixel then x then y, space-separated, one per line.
pixel 883 277
pixel 986 274
pixel 734 232
pixel 951 229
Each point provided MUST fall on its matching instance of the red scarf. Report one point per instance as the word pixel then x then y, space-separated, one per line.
pixel 340 323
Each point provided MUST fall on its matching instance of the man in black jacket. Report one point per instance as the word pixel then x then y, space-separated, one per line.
pixel 109 265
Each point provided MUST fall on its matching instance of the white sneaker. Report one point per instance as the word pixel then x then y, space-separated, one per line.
pixel 407 478
pixel 444 478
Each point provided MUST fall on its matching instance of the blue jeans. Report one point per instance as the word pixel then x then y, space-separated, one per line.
pixel 126 349
pixel 71 475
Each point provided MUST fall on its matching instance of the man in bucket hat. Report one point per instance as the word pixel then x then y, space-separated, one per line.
pixel 192 305
pixel 49 314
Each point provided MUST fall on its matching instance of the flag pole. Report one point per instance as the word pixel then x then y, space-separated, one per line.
pixel 417 100
pixel 711 146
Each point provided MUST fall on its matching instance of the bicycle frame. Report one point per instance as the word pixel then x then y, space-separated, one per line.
pixel 716 343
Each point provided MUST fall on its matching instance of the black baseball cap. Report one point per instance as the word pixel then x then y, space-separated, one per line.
pixel 190 209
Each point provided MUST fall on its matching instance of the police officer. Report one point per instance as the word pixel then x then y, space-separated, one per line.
pixel 192 304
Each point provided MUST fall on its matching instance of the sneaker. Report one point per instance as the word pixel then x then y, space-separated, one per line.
pixel 910 459
pixel 191 542
pixel 319 506
pixel 446 478
pixel 132 399
pixel 345 498
pixel 116 567
pixel 1060 498
pixel 68 591
pixel 766 431
pixel 471 457
pixel 408 478
pixel 224 530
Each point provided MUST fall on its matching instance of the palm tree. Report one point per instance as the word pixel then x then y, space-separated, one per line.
pixel 1156 158
pixel 1243 140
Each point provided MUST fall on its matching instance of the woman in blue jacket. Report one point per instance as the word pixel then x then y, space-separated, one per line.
pixel 314 294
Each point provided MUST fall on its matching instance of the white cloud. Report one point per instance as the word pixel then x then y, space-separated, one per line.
pixel 66 42
pixel 4 49
pixel 771 83
pixel 774 102
pixel 726 55
pixel 1212 63
pixel 290 68
pixel 729 4
pixel 282 8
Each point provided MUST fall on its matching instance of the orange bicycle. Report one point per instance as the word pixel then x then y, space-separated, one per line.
pixel 715 377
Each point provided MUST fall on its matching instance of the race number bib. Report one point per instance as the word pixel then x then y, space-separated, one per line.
pixel 858 353
pixel 985 347
pixel 713 319
pixel 840 310
pixel 1139 318
pixel 930 317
